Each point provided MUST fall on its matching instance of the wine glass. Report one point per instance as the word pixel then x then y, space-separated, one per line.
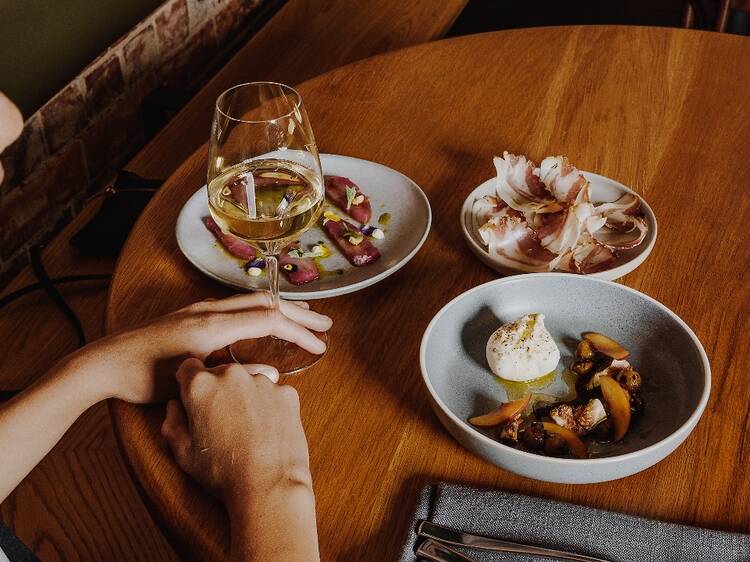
pixel 265 186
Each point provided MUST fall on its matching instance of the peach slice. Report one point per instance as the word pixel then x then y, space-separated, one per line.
pixel 618 404
pixel 503 413
pixel 576 446
pixel 606 345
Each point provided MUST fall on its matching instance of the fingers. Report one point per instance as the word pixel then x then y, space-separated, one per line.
pixel 230 328
pixel 309 319
pixel 299 311
pixel 175 431
pixel 188 369
pixel 271 373
pixel 274 323
pixel 243 301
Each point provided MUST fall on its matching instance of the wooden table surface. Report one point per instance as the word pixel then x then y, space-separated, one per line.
pixel 661 110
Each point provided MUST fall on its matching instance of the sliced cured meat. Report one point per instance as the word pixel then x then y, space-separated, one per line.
pixel 484 209
pixel 623 236
pixel 347 196
pixel 297 269
pixel 563 180
pixel 341 231
pixel 621 210
pixel 520 187
pixel 588 256
pixel 510 239
pixel 238 248
pixel 559 232
pixel 625 226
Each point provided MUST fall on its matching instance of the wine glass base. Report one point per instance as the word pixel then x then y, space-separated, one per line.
pixel 287 357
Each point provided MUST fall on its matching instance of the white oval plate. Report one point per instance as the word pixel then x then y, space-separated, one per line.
pixel 603 189
pixel 389 192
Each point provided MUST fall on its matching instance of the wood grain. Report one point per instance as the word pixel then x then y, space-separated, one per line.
pixel 79 503
pixel 654 108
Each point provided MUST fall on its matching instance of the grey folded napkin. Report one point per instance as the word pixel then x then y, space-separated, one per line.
pixel 564 526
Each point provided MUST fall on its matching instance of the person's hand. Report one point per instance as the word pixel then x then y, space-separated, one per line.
pixel 240 436
pixel 235 433
pixel 138 366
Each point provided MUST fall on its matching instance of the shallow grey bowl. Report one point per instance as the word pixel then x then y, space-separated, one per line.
pixel 677 376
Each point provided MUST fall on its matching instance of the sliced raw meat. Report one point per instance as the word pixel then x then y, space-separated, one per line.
pixel 238 248
pixel 299 271
pixel 345 194
pixel 358 255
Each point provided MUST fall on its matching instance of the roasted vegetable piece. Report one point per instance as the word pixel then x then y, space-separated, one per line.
pixel 585 350
pixel 503 413
pixel 582 367
pixel 581 419
pixel 542 409
pixel 564 416
pixel 574 443
pixel 629 379
pixel 611 370
pixel 606 345
pixel 618 406
pixel 533 436
pixel 509 431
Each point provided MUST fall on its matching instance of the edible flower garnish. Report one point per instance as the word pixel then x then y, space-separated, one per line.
pixel 255 268
pixel 353 237
pixel 352 198
pixel 351 193
pixel 317 251
pixel 330 216
pixel 368 230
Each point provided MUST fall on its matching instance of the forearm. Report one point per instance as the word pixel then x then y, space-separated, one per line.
pixel 35 420
pixel 278 524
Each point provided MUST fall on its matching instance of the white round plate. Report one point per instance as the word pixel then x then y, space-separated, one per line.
pixel 603 189
pixel 389 192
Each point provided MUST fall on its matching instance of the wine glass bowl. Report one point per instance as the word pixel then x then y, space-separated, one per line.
pixel 265 186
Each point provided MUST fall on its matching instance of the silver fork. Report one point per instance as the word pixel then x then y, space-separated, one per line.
pixel 446 535
pixel 438 552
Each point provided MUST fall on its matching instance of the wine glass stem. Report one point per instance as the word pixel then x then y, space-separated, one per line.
pixel 272 266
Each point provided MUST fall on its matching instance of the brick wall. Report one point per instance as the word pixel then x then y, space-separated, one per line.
pixel 72 145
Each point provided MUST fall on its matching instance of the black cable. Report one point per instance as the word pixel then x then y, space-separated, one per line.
pixel 41 274
pixel 17 294
pixel 6 395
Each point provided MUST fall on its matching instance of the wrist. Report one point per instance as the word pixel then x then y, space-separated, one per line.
pixel 91 372
pixel 258 487
pixel 277 525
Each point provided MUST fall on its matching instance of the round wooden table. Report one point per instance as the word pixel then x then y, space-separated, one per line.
pixel 664 111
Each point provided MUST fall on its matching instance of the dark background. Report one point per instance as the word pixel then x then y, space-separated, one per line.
pixel 491 15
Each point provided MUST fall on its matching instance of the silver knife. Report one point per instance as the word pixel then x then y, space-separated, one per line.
pixel 437 552
pixel 452 536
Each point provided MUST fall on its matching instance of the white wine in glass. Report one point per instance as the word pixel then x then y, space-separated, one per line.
pixel 265 186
